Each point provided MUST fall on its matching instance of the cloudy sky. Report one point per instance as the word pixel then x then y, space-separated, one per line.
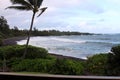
pixel 95 16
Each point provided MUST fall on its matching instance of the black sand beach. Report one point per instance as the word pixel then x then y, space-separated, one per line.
pixel 13 41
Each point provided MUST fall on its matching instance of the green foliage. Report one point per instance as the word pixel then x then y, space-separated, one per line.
pixel 2 35
pixel 66 66
pixel 6 32
pixel 114 61
pixel 36 32
pixel 4 27
pixel 1 63
pixel 116 50
pixel 1 42
pixel 97 64
pixel 17 51
pixel 13 61
pixel 116 54
pixel 49 66
pixel 37 60
pixel 35 65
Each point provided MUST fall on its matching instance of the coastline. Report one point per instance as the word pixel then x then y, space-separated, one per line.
pixel 66 57
pixel 13 41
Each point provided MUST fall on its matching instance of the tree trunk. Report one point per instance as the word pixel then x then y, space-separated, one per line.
pixel 29 34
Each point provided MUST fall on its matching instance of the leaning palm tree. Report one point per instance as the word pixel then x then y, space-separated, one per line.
pixel 33 5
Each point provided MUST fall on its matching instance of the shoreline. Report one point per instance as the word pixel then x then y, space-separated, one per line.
pixel 66 57
pixel 13 41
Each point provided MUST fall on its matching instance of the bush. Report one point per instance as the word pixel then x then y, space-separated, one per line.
pixel 36 65
pixel 32 52
pixel 59 66
pixel 116 50
pixel 115 55
pixel 67 67
pixel 1 42
pixel 97 64
pixel 114 61
pixel 13 61
pixel 17 51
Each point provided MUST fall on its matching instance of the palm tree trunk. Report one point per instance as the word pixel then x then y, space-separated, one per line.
pixel 29 33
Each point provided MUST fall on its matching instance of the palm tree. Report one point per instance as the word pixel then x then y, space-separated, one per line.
pixel 33 5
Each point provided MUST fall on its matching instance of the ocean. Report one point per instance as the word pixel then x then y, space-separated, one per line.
pixel 80 46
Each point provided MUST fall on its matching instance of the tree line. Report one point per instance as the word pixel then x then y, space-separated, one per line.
pixel 6 31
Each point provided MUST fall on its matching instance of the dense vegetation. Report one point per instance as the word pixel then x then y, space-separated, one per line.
pixel 114 61
pixel 97 64
pixel 105 64
pixel 38 60
pixel 6 32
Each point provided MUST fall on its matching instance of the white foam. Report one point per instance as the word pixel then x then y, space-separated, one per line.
pixel 68 40
pixel 102 41
pixel 22 42
pixel 32 40
pixel 36 39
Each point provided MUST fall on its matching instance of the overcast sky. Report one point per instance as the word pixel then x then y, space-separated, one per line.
pixel 95 16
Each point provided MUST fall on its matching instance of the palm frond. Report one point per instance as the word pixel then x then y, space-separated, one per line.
pixel 19 7
pixel 22 2
pixel 28 5
pixel 39 3
pixel 17 1
pixel 36 3
pixel 42 10
pixel 31 2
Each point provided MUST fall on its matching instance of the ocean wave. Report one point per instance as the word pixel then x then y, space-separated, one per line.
pixel 75 46
pixel 69 40
pixel 102 41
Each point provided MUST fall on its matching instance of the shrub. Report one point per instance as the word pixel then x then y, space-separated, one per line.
pixel 17 51
pixel 13 61
pixel 59 66
pixel 66 66
pixel 97 64
pixel 35 65
pixel 115 55
pixel 7 52
pixel 36 52
pixel 43 65
pixel 24 65
pixel 114 61
pixel 1 63
pixel 116 50
pixel 1 42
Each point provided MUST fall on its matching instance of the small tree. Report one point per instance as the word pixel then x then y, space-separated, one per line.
pixel 4 27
